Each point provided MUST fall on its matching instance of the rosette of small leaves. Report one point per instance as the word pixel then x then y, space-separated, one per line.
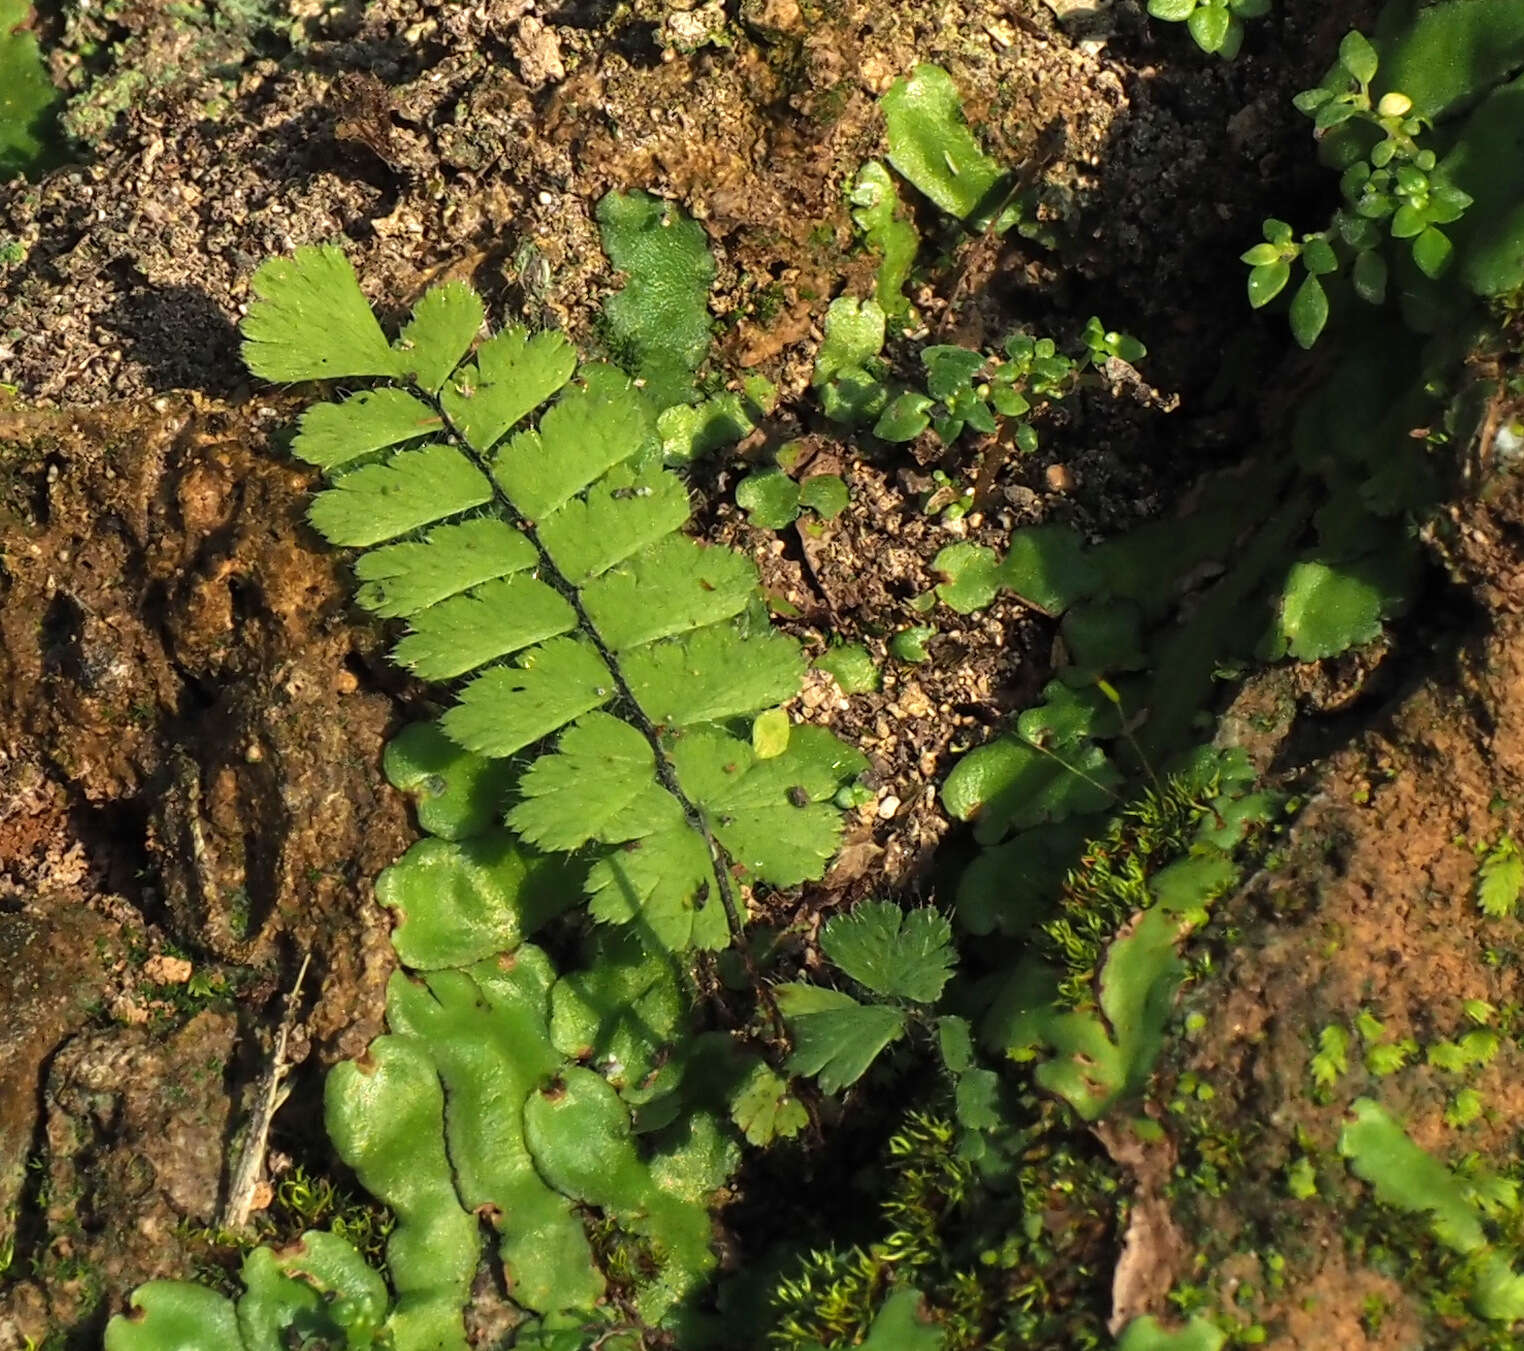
pixel 1216 25
pixel 1396 188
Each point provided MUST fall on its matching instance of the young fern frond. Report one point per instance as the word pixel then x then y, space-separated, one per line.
pixel 542 567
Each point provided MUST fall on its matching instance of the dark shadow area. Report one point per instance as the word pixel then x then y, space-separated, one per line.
pixel 179 335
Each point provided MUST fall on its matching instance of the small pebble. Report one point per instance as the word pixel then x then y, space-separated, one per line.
pixel 888 807
pixel 1060 480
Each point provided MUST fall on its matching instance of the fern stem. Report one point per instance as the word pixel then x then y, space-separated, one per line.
pixel 720 861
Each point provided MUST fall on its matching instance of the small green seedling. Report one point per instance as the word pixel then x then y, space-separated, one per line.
pixel 772 500
pixel 1389 181
pixel 1216 25
pixel 895 955
pixel 1500 878
pixel 909 645
pixel 1332 1057
pixel 852 667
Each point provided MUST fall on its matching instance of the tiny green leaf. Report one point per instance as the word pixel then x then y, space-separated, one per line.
pixel 1369 277
pixel 836 1039
pixel 1309 312
pixel 769 733
pixel 1268 280
pixel 1432 252
pixel 909 645
pixel 1319 258
pixel 894 953
pixel 770 499
pixel 1209 25
pixel 852 667
pixel 905 418
pixel 765 1110
pixel 824 494
pixel 1500 879
pixel 1358 57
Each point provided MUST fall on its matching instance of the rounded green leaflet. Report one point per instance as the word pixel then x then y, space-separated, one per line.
pixel 851 666
pixel 1268 279
pixel 770 732
pixel 486 1033
pixel 905 418
pixel 1172 11
pixel 175 1316
pixel 894 953
pixel 1318 257
pixel 1309 312
pixel 909 645
pixel 824 494
pixel 1326 609
pixel 455 792
pixel 1210 25
pixel 1432 252
pixel 971 576
pixel 1369 276
pixel 1358 57
pixel 458 901
pixel 1048 566
pixel 385 1116
pixel 770 499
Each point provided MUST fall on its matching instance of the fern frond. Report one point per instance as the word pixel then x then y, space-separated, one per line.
pixel 543 566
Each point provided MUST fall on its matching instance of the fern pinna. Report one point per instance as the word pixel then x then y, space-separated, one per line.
pixel 544 567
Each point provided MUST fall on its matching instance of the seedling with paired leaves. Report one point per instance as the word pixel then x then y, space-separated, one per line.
pixel 773 500
pixel 993 394
pixel 903 959
pixel 1217 26
pixel 1391 185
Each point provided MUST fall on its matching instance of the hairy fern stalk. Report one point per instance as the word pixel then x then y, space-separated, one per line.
pixel 544 577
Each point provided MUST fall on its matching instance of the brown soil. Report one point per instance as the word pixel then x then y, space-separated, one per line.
pixel 1371 906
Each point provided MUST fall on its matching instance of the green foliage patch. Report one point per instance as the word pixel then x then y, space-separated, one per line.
pixel 540 569
pixel 28 100
pixel 659 322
